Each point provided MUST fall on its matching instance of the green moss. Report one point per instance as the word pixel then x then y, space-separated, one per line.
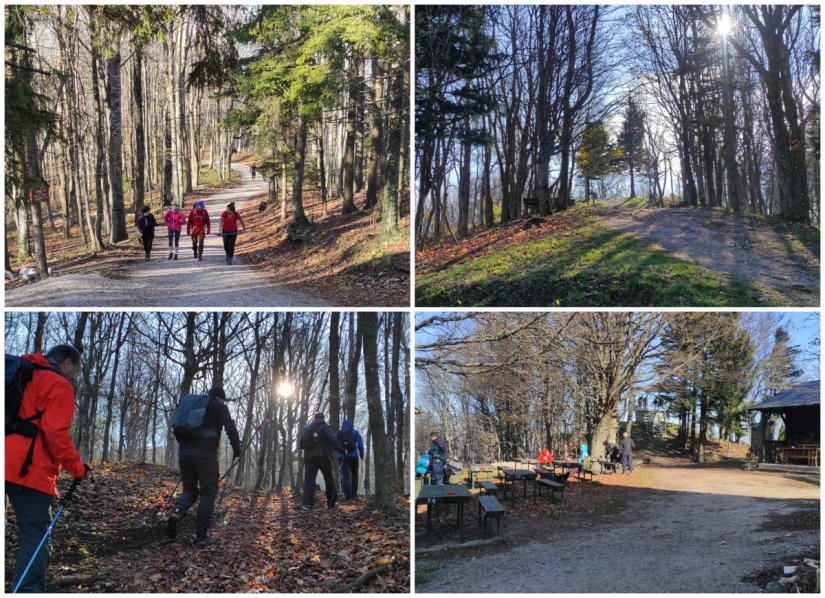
pixel 588 266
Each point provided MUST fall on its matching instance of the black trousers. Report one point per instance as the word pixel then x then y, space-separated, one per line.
pixel 229 243
pixel 312 465
pixel 148 240
pixel 199 474
pixel 349 475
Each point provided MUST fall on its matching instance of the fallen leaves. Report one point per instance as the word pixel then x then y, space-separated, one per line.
pixel 113 537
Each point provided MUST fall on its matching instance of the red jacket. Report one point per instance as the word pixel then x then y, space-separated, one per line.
pixel 174 220
pixel 198 221
pixel 545 457
pixel 229 223
pixel 49 393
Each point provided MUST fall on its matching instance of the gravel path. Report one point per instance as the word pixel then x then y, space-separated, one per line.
pixel 182 283
pixel 724 242
pixel 689 529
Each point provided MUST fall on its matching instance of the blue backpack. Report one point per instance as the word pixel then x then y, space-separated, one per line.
pixel 187 421
pixel 346 438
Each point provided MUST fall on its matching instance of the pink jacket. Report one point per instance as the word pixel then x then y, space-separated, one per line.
pixel 174 220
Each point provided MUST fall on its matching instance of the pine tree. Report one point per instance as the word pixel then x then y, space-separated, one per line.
pixel 631 140
pixel 781 368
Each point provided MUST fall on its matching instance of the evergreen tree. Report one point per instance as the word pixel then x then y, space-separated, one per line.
pixel 597 156
pixel 631 140
pixel 781 369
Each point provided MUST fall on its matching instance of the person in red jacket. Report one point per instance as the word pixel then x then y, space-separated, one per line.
pixel 545 457
pixel 229 230
pixel 50 393
pixel 198 226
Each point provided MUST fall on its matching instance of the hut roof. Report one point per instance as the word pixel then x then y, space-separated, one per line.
pixel 801 395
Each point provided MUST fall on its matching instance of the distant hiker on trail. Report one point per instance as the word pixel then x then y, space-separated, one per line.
pixel 583 451
pixel 438 456
pixel 627 453
pixel 174 223
pixel 545 457
pixel 197 425
pixel 146 225
pixel 229 230
pixel 198 226
pixel 254 170
pixel 349 438
pixel 39 410
pixel 317 440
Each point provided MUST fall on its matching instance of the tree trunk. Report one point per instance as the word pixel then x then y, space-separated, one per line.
pixel 376 134
pixel 334 349
pixel 348 169
pixel 298 216
pixel 140 142
pixel 118 218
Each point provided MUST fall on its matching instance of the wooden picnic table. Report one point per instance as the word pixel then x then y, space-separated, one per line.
pixel 512 475
pixel 447 494
pixel 565 465
pixel 806 453
pixel 477 469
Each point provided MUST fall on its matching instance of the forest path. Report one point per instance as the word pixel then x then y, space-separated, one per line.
pixel 751 249
pixel 683 529
pixel 182 283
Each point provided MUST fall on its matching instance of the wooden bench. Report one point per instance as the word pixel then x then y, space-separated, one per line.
pixel 488 487
pixel 532 204
pixel 582 474
pixel 490 508
pixel 553 486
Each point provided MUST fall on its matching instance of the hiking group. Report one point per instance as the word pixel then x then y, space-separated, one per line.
pixel 321 445
pixel 40 405
pixel 198 225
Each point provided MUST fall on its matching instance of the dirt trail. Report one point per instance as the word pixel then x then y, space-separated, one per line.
pixel 182 283
pixel 741 246
pixel 688 529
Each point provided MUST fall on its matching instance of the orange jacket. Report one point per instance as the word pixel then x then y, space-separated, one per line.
pixel 51 394
pixel 545 457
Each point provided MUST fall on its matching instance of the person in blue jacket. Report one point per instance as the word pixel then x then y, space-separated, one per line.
pixel 349 438
pixel 583 452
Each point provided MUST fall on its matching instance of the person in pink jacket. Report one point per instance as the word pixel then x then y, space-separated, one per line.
pixel 174 222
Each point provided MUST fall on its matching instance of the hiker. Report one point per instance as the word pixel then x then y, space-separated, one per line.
pixel 229 230
pixel 198 226
pixel 582 451
pixel 438 456
pixel 422 466
pixel 609 448
pixel 317 441
pixel 627 453
pixel 146 225
pixel 349 438
pixel 197 425
pixel 38 445
pixel 253 169
pixel 545 457
pixel 174 222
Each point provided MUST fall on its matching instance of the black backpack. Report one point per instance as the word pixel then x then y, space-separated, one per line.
pixel 346 438
pixel 19 373
pixel 435 452
pixel 310 437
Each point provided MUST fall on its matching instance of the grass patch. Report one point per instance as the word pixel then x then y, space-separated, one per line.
pixel 209 179
pixel 587 264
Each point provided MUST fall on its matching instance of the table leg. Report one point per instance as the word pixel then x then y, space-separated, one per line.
pixel 525 488
pixel 461 522
pixel 429 517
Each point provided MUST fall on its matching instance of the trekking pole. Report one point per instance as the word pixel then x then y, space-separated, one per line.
pixel 64 502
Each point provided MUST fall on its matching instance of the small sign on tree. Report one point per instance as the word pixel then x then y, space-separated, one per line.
pixel 39 195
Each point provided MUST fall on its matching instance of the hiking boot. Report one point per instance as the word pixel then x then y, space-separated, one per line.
pixel 172 524
pixel 200 258
pixel 305 508
pixel 176 257
pixel 230 260
pixel 200 542
pixel 146 259
pixel 170 255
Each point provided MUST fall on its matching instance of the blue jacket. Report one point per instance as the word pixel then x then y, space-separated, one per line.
pixel 423 464
pixel 358 451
